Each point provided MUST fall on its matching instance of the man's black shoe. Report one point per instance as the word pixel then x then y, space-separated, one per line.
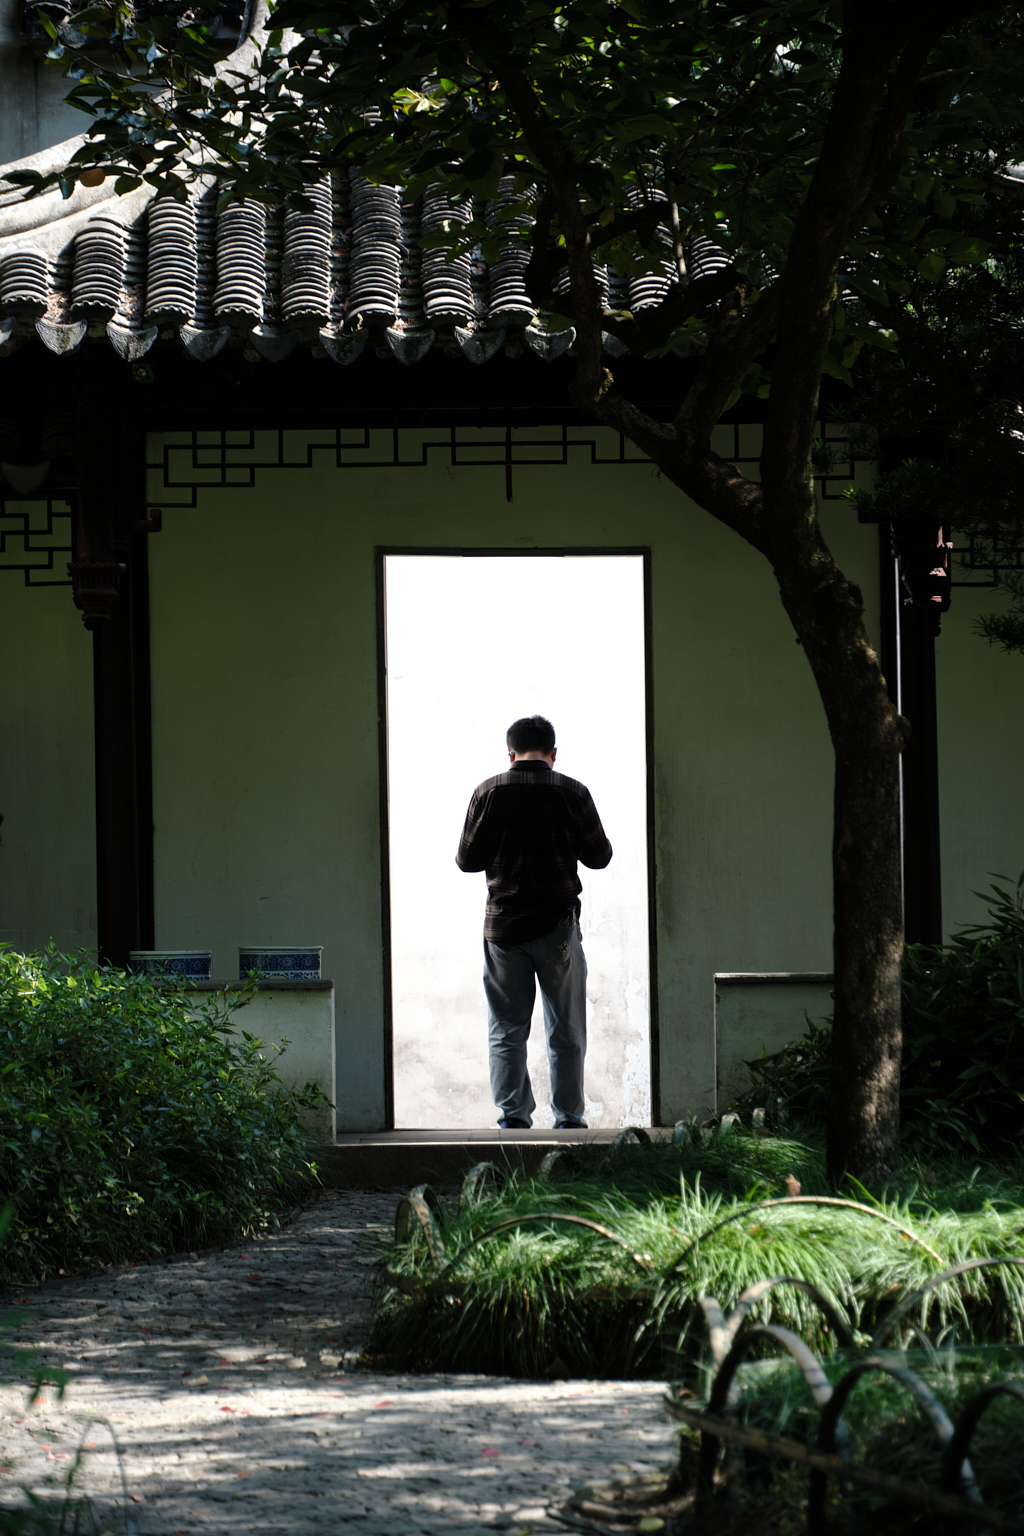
pixel 569 1125
pixel 510 1123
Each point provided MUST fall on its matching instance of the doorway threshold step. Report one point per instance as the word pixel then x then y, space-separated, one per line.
pixel 397 1159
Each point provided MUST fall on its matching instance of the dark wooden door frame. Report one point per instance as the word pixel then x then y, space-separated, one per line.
pixel 381 551
pixel 111 588
pixel 911 612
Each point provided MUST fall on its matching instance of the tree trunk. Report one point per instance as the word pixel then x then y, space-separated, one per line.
pixel 864 1083
pixel 885 46
pixel 867 735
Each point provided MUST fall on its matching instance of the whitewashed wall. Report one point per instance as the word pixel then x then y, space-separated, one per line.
pixel 473 644
pixel 265 720
pixel 47 784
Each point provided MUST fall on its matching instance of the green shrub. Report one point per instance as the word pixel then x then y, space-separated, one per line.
pixel 963 1034
pixel 132 1122
pixel 792 1084
pixel 963 1043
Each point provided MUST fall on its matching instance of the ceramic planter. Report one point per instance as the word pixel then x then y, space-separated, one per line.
pixel 280 962
pixel 193 964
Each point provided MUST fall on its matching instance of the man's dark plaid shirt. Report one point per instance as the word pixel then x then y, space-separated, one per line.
pixel 527 828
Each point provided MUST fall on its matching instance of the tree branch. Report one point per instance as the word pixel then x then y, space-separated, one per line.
pixel 738 336
pixel 651 328
pixel 537 279
pixel 642 221
pixel 708 479
pixel 885 46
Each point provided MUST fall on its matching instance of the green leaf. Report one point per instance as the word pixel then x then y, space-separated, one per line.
pixel 932 266
pixel 966 250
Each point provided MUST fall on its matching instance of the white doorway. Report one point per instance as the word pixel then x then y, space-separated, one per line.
pixel 471 644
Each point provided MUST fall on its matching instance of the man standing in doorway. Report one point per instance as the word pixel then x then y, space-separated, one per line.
pixel 528 828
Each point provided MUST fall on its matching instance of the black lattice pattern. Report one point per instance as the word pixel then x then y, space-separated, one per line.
pixel 985 561
pixel 188 463
pixel 37 538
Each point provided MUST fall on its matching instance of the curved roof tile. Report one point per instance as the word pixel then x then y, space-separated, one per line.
pixel 273 278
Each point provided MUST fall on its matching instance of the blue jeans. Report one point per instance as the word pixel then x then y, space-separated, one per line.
pixel 557 962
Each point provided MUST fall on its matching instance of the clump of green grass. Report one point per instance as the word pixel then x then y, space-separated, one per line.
pixel 544 1298
pixel 726 1161
pixel 132 1120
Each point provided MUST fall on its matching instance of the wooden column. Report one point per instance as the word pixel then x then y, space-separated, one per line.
pixel 111 589
pixel 915 593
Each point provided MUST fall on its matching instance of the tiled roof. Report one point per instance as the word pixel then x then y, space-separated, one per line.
pixel 351 271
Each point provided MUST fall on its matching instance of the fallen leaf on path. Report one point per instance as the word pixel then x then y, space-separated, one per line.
pixel 490 1450
pixel 138 1498
pixel 227 1410
pixel 186 1373
pixel 385 1402
pixel 201 1381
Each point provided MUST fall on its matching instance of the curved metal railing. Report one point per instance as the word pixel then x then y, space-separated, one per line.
pixel 956 1499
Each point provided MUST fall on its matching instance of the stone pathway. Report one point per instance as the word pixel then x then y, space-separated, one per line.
pixel 227 1378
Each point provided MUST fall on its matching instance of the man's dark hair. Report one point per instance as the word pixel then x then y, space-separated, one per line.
pixel 531 734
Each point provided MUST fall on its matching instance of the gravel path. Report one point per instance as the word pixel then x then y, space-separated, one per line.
pixel 227 1379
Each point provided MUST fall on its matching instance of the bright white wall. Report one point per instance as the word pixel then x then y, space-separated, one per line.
pixel 472 644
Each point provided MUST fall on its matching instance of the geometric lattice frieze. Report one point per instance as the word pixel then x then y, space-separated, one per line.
pixel 983 561
pixel 37 538
pixel 181 464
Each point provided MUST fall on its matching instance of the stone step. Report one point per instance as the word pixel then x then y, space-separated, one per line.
pixel 397 1159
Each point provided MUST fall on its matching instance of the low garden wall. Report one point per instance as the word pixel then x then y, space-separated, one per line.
pixel 301 1012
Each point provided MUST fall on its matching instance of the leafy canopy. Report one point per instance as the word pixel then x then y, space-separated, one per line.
pixel 674 120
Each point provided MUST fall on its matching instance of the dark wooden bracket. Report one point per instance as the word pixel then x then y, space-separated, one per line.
pixel 95 585
pixel 924 556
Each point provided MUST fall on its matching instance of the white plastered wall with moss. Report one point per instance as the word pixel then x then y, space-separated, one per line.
pixel 265 739
pixel 47 783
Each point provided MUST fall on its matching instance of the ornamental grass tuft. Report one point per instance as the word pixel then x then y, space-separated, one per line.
pixel 542 1298
pixel 133 1122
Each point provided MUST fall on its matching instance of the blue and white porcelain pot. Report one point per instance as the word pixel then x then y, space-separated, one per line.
pixel 192 964
pixel 280 962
